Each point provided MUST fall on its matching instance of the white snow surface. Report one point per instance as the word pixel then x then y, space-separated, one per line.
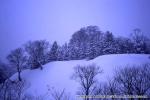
pixel 58 74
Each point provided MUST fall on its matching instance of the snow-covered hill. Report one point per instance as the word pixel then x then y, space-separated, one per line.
pixel 58 74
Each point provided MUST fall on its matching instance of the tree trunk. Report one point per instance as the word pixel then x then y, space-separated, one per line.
pixel 87 95
pixel 19 76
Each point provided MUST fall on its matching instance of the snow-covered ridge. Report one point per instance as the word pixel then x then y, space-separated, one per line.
pixel 58 74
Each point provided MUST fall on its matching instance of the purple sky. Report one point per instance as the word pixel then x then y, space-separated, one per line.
pixel 23 20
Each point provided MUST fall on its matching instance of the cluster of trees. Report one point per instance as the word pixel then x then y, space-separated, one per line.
pixel 87 43
pixel 90 42
pixel 32 55
pixel 129 81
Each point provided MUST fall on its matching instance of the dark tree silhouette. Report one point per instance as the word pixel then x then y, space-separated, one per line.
pixel 17 59
pixel 86 76
pixel 3 72
pixel 134 80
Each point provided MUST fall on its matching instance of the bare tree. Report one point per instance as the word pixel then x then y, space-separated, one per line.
pixel 37 51
pixel 134 80
pixel 124 78
pixel 17 59
pixel 13 90
pixel 86 76
pixel 5 71
pixel 106 90
pixel 58 94
pixel 129 80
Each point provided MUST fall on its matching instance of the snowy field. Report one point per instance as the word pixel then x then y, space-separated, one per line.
pixel 58 74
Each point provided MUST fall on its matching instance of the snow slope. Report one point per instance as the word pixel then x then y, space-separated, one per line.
pixel 58 74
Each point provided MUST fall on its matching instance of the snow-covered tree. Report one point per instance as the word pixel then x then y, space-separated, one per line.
pixel 53 53
pixel 37 51
pixel 91 52
pixel 139 40
pixel 85 43
pixel 95 44
pixel 123 45
pixel 108 46
pixel 77 44
pixel 73 52
pixel 63 52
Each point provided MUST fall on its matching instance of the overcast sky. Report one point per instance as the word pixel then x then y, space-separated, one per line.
pixel 23 20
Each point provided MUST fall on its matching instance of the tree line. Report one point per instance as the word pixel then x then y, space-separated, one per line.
pixel 86 43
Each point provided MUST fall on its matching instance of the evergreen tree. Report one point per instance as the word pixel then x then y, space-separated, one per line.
pixel 73 52
pixel 60 54
pixel 63 52
pixel 91 50
pixel 108 47
pixel 53 52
